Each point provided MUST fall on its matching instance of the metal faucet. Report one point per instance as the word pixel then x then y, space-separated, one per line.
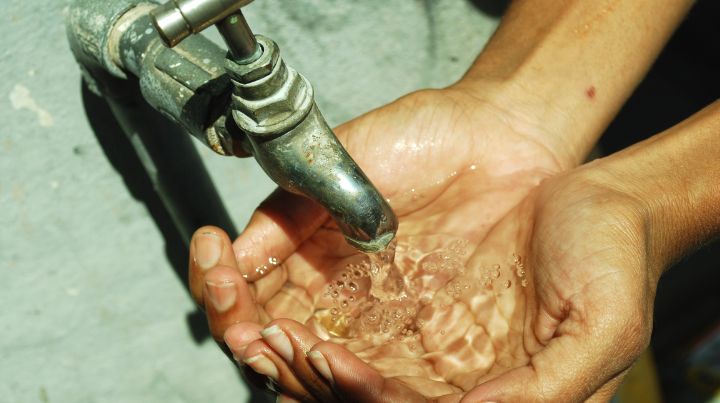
pixel 246 101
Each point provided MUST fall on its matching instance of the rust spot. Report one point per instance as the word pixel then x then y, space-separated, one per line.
pixel 590 92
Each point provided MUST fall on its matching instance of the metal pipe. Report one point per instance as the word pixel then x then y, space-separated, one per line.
pixel 239 38
pixel 177 19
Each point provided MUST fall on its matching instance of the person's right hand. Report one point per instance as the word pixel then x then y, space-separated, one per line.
pixel 570 335
pixel 450 162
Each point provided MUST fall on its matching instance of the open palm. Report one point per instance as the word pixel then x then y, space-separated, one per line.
pixel 530 284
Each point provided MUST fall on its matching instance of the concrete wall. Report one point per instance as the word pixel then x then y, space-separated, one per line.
pixel 92 308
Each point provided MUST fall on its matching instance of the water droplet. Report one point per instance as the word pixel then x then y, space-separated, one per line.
pixel 351 298
pixel 334 311
pixel 340 285
pixel 524 282
pixel 507 284
pixel 335 294
pixel 273 261
pixel 353 287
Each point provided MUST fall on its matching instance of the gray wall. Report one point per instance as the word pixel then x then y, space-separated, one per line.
pixel 92 310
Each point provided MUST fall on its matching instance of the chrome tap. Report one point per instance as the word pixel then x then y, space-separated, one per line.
pixel 256 104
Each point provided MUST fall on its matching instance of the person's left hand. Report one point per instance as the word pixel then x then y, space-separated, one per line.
pixel 501 206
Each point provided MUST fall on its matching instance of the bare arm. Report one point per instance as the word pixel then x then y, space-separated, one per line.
pixel 568 66
pixel 676 175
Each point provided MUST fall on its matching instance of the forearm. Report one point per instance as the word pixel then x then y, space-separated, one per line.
pixel 572 64
pixel 676 177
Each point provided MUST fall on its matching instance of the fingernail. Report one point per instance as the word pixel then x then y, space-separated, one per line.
pixel 278 340
pixel 262 365
pixel 208 248
pixel 320 363
pixel 221 295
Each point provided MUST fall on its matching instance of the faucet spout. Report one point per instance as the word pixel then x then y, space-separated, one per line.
pixel 273 106
pixel 309 160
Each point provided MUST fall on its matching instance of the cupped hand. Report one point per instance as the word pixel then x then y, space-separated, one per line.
pixel 564 318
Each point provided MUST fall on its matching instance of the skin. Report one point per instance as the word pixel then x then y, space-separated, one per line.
pixel 592 243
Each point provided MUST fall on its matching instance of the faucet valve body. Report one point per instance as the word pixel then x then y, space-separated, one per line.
pixel 273 106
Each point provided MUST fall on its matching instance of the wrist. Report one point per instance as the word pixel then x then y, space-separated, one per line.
pixel 674 179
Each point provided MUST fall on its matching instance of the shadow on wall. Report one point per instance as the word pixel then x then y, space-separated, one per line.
pixel 122 155
pixel 198 202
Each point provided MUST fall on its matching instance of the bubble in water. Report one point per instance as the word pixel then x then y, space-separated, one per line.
pixel 351 298
pixel 334 311
pixel 508 283
pixel 273 261
pixel 353 287
pixel 344 304
pixel 335 294
pixel 524 282
pixel 340 284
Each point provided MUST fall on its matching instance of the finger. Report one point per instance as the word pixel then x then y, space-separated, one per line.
pixel 209 247
pixel 355 380
pixel 227 300
pixel 276 229
pixel 238 336
pixel 291 341
pixel 261 359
